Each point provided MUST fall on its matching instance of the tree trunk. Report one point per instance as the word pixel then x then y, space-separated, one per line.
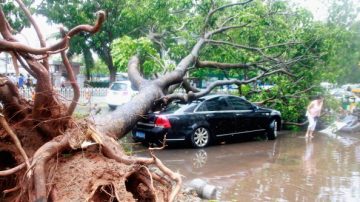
pixel 112 71
pixel 89 62
pixel 105 54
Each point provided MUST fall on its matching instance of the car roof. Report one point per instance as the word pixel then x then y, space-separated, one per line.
pixel 208 97
pixel 125 81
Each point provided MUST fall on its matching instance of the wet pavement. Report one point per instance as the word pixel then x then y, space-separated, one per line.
pixel 327 168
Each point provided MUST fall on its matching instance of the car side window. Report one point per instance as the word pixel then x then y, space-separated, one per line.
pixel 118 86
pixel 216 104
pixel 191 107
pixel 240 104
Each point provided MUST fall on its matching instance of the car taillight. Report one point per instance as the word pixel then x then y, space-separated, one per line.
pixel 162 121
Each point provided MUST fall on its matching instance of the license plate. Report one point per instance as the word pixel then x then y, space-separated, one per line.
pixel 140 134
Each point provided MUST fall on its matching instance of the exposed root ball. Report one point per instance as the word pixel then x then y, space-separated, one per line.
pixel 103 179
pixel 40 141
pixel 7 161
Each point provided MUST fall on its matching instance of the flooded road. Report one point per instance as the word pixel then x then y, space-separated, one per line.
pixel 327 168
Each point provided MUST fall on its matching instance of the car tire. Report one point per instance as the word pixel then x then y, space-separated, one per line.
pixel 200 138
pixel 272 131
pixel 112 107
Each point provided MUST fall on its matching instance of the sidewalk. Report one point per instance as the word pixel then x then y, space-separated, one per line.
pixel 85 105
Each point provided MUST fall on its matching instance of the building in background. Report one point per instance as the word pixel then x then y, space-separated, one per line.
pixel 60 76
pixel 6 65
pixel 57 70
pixel 58 66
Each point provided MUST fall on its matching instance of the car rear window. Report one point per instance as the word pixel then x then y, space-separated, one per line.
pixel 181 107
pixel 215 104
pixel 173 107
pixel 119 86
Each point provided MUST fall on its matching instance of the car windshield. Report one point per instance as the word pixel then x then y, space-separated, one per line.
pixel 119 86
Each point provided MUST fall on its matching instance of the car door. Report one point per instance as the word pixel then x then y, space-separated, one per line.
pixel 248 118
pixel 219 115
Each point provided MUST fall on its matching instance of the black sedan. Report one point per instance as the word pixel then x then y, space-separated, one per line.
pixel 210 118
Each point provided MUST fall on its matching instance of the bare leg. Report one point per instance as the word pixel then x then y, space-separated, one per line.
pixel 311 127
pixel 311 133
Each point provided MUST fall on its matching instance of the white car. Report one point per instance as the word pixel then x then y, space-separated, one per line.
pixel 119 93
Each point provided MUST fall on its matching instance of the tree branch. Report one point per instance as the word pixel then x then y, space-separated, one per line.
pixel 134 73
pixel 294 95
pixel 218 65
pixel 19 47
pixel 4 27
pixel 10 45
pixel 89 28
pixel 37 29
pixel 73 83
pixel 27 68
pixel 177 75
pixel 255 49
pixel 186 85
pixel 228 20
pixel 212 11
pixel 224 29
pixel 191 95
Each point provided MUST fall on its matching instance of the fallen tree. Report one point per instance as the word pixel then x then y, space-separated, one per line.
pixel 36 136
pixel 45 153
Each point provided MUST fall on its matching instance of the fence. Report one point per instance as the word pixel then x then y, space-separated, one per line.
pixel 67 93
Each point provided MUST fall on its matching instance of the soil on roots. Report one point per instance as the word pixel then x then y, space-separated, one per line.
pixel 89 176
pixel 7 160
pixel 31 140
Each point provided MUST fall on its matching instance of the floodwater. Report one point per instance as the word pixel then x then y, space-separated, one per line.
pixel 327 168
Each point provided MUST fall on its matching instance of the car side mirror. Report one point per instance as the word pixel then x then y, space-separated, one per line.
pixel 255 107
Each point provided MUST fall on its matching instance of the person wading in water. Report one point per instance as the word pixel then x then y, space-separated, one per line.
pixel 313 114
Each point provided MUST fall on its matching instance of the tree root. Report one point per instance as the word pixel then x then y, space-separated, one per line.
pixel 111 150
pixel 15 108
pixel 12 170
pixel 41 157
pixel 112 174
pixel 143 183
pixel 140 181
pixel 16 188
pixel 15 139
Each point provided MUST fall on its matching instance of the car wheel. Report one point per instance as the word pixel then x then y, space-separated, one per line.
pixel 112 107
pixel 272 130
pixel 200 138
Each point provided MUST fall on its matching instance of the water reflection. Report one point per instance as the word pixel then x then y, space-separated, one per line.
pixel 327 168
pixel 327 171
pixel 308 159
pixel 220 165
pixel 200 159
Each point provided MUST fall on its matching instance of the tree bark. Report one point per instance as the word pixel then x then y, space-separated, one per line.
pixel 112 70
pixel 89 62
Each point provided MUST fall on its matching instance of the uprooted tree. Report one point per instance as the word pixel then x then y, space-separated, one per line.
pixel 47 154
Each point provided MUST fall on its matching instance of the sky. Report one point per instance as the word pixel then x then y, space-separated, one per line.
pixel 317 7
pixel 28 35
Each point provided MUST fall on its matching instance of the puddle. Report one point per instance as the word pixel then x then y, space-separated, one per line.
pixel 288 169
